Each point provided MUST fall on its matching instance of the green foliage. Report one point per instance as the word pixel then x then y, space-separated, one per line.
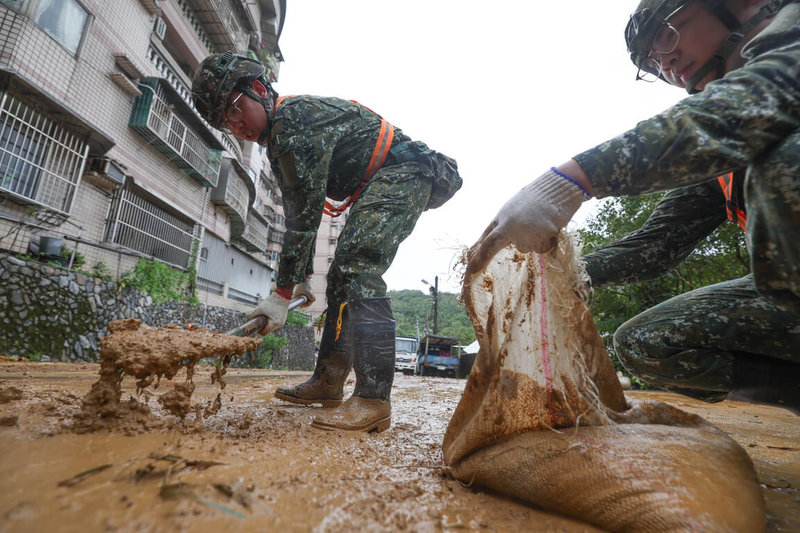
pixel 271 344
pixel 721 256
pixel 35 357
pixel 298 318
pixel 101 270
pixel 162 282
pixel 77 262
pixel 410 309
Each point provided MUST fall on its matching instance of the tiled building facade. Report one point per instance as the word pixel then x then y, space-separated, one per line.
pixel 101 147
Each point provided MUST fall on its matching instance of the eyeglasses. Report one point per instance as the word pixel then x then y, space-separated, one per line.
pixel 665 42
pixel 232 114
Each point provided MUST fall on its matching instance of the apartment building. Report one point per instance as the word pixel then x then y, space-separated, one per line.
pixel 100 144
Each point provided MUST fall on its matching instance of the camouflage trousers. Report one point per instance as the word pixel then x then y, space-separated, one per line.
pixel 383 216
pixel 688 343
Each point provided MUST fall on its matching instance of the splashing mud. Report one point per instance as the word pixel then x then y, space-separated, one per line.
pixel 544 419
pixel 149 354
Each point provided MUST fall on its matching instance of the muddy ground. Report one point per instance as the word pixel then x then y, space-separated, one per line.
pixel 257 465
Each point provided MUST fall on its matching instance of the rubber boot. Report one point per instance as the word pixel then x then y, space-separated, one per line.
pixel 766 380
pixel 369 408
pixel 334 361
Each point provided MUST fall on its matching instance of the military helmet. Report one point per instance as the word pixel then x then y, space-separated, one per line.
pixel 647 20
pixel 643 25
pixel 217 77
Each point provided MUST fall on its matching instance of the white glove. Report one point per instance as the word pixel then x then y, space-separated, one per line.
pixel 274 308
pixel 530 220
pixel 304 289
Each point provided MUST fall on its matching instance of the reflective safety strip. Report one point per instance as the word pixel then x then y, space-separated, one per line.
pixel 379 155
pixel 735 214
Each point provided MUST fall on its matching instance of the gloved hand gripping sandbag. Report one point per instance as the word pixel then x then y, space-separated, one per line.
pixel 532 218
pixel 543 417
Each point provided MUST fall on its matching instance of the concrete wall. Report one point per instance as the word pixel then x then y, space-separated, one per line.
pixel 46 311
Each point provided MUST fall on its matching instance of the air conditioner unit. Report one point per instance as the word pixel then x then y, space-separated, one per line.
pixel 160 27
pixel 108 168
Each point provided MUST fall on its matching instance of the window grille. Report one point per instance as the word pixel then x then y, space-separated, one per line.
pixel 276 236
pixel 157 121
pixel 140 225
pixel 40 161
pixel 237 195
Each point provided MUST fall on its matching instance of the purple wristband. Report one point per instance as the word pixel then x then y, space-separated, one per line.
pixel 573 180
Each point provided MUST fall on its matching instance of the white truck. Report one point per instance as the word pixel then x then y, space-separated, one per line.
pixel 405 355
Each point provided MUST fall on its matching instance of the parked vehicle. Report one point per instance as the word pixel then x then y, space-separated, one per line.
pixel 438 356
pixel 405 355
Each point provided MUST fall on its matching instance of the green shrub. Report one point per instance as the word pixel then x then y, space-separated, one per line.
pixel 298 318
pixel 77 262
pixel 162 282
pixel 101 270
pixel 271 344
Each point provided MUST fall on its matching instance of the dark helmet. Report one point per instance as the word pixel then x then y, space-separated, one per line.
pixel 649 16
pixel 217 77
pixel 643 25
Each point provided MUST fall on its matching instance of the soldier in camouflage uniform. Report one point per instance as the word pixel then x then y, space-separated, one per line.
pixel 733 148
pixel 331 148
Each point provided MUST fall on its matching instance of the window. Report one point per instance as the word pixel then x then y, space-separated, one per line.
pixel 140 225
pixel 40 161
pixel 64 20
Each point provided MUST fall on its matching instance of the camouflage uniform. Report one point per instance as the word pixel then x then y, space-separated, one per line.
pixel 321 147
pixel 749 120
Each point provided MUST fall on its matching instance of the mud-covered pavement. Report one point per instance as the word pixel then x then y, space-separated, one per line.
pixel 258 465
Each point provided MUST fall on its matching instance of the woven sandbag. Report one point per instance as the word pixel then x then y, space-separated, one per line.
pixel 543 417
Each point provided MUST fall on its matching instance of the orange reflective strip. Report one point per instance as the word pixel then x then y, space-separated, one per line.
pixel 379 154
pixel 734 213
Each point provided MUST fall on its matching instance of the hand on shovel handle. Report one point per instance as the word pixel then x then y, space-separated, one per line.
pixel 257 323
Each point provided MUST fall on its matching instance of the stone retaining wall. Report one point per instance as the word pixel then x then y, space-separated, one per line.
pixel 48 312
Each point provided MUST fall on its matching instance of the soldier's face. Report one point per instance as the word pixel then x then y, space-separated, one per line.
pixel 701 33
pixel 245 117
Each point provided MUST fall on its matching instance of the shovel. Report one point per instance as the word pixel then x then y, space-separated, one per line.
pixel 255 324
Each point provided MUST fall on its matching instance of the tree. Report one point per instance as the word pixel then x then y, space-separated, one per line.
pixel 410 309
pixel 719 257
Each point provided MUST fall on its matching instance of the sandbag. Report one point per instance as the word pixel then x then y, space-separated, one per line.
pixel 543 417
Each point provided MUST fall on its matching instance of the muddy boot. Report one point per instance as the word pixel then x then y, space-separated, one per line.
pixel 369 408
pixel 333 365
pixel 766 380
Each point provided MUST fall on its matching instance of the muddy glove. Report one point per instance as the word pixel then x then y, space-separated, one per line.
pixel 531 219
pixel 304 289
pixel 274 308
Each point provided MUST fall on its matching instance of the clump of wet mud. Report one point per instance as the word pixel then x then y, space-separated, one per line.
pixel 149 354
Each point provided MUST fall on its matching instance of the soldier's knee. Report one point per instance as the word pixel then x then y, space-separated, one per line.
pixel 633 346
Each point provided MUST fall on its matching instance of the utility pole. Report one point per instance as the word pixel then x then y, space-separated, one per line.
pixel 435 292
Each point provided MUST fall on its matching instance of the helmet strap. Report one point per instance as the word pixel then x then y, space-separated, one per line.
pixel 737 29
pixel 269 107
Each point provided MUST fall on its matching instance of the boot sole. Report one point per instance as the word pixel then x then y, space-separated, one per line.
pixel 302 401
pixel 377 426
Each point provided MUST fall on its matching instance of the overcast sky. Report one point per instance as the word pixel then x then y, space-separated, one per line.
pixel 508 88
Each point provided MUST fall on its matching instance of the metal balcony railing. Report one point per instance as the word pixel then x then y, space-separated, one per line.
pixel 155 119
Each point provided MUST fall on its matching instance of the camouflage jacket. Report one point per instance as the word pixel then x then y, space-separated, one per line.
pixel 725 127
pixel 319 147
pixel 682 219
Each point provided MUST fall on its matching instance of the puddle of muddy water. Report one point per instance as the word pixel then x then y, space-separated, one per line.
pixel 258 465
